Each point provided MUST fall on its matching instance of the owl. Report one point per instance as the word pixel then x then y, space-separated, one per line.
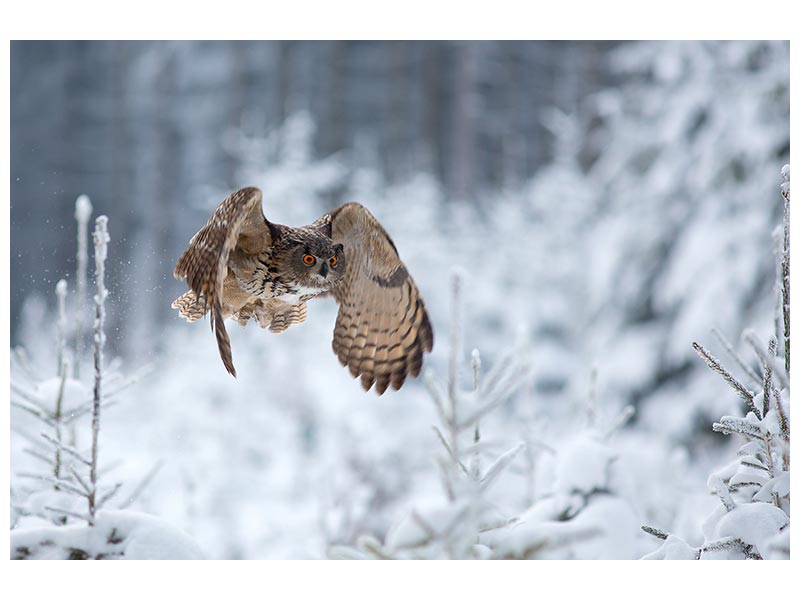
pixel 242 266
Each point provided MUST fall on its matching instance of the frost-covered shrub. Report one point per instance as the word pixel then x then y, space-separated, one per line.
pixel 752 519
pixel 60 515
pixel 577 495
pixel 454 526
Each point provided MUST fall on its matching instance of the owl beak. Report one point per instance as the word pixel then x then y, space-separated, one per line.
pixel 323 271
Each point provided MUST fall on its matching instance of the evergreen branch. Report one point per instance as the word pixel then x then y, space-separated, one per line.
pixel 33 410
pixel 108 495
pixel 88 518
pixel 60 484
pixel 729 425
pixel 754 465
pixel 662 535
pixel 68 449
pixel 450 451
pixel 748 370
pixel 715 366
pixel 41 457
pixel 785 267
pixel 79 479
pixel 717 486
pixel 755 342
pixel 500 464
pixel 28 396
pixel 731 543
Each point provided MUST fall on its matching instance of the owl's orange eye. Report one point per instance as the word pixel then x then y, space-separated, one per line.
pixel 334 261
pixel 309 260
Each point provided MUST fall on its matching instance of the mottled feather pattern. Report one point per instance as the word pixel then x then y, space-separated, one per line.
pixel 204 265
pixel 382 328
pixel 244 267
pixel 189 308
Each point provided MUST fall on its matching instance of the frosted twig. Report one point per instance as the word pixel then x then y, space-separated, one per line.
pixel 748 370
pixel 715 365
pixel 88 518
pixel 58 483
pixel 107 496
pixel 743 484
pixel 134 495
pixel 455 355
pixel 662 535
pixel 754 465
pixel 29 396
pixel 83 211
pixel 785 190
pixel 717 486
pixel 475 465
pixel 429 531
pixel 730 543
pixel 71 451
pixel 751 337
pixel 499 465
pixel 620 420
pixel 444 472
pixel 101 239
pixel 79 412
pixel 450 451
pixel 61 324
pixel 79 479
pixel 57 415
pixel 372 545
pixel 729 425
pixel 45 459
pixel 515 376
pixel 33 410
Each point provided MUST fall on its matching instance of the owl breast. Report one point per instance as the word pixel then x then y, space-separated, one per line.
pixel 299 293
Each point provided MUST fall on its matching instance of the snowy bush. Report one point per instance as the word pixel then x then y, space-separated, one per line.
pixel 61 516
pixel 752 518
pixel 453 527
pixel 574 496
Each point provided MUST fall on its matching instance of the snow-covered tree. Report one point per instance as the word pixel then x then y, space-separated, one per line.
pixel 752 519
pixel 64 514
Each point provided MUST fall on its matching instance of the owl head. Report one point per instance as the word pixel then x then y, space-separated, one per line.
pixel 313 260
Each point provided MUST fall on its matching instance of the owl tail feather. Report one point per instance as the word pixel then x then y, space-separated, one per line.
pixel 223 341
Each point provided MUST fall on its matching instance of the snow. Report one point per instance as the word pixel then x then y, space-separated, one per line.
pixel 674 548
pixel 116 535
pixel 754 524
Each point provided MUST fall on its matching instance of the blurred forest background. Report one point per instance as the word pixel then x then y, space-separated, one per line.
pixel 608 203
pixel 149 127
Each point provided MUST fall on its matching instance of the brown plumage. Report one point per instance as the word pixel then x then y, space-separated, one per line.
pixel 242 266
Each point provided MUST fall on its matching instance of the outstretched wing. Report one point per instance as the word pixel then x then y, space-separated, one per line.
pixel 382 328
pixel 237 224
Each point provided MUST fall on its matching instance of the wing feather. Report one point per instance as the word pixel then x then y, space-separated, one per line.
pixel 238 224
pixel 382 329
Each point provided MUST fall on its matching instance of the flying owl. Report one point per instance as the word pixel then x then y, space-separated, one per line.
pixel 240 265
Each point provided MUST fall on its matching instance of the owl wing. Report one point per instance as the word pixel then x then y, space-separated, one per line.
pixel 382 328
pixel 237 224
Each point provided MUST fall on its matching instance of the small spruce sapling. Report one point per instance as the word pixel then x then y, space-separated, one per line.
pixel 73 490
pixel 752 520
pixel 454 529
